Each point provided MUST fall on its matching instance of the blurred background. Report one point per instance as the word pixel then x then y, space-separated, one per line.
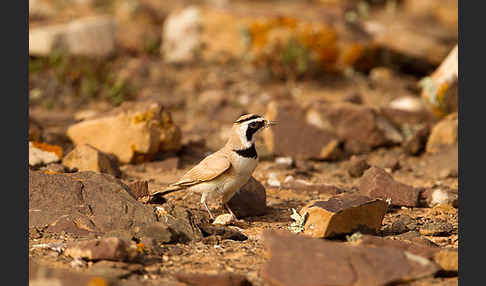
pixel 209 61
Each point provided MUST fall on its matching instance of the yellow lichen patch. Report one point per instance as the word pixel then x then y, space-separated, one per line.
pixel 143 117
pixel 49 172
pixel 48 148
pixel 98 281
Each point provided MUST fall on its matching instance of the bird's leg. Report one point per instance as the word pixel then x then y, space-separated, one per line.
pixel 230 211
pixel 203 201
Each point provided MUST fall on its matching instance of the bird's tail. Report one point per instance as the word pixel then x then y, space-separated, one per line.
pixel 168 190
pixel 171 189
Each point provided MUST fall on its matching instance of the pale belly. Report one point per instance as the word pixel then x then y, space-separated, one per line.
pixel 225 186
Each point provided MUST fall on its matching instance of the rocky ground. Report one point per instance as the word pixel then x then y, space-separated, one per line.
pixel 357 185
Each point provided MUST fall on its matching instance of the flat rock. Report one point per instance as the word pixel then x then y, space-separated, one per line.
pixel 221 279
pixel 293 136
pixel 85 157
pixel 250 200
pixel 361 128
pixel 133 132
pixel 110 248
pixel 300 261
pixel 377 183
pixel 91 36
pixel 99 199
pixel 443 134
pixel 343 214
pixel 43 154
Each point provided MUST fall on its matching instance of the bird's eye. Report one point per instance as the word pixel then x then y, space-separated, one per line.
pixel 253 125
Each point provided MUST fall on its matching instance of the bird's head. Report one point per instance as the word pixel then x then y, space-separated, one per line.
pixel 246 126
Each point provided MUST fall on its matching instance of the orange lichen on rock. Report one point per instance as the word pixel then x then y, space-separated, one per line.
pixel 48 148
pixel 49 172
pixel 98 281
pixel 300 45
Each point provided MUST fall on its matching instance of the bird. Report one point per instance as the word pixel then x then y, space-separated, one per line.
pixel 224 172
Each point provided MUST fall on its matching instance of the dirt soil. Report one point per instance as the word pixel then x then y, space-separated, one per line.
pixel 242 89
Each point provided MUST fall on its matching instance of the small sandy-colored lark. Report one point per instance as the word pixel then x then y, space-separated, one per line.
pixel 224 172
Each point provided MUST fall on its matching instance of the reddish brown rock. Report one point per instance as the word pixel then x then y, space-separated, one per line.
pixel 293 136
pixel 343 214
pixel 111 248
pixel 377 183
pixel 358 166
pixel 87 158
pixel 421 250
pixel 300 261
pixel 95 197
pixel 415 142
pixel 361 128
pixel 250 200
pixel 222 279
pixel 403 117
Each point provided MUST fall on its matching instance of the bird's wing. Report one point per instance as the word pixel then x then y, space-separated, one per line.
pixel 208 169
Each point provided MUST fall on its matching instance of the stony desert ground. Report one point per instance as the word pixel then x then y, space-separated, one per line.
pixel 356 185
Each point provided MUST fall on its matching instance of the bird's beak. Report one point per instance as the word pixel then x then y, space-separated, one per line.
pixel 269 123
